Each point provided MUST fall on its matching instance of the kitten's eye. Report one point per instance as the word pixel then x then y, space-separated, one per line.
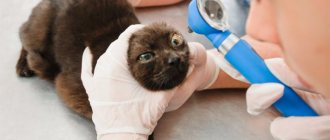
pixel 146 57
pixel 176 40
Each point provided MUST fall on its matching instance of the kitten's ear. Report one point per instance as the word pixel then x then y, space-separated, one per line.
pixel 86 68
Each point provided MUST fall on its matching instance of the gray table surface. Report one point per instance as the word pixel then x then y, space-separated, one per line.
pixel 31 110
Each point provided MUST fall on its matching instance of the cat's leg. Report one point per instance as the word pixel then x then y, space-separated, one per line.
pixel 72 92
pixel 42 65
pixel 68 48
pixel 22 67
pixel 35 35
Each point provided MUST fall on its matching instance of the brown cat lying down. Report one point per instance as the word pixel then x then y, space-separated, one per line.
pixel 57 32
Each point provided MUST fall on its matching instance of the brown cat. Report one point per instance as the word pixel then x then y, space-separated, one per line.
pixel 57 32
pixel 55 36
pixel 158 57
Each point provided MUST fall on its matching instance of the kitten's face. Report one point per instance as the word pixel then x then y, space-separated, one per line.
pixel 158 57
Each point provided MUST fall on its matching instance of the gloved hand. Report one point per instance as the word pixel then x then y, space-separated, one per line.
pixel 261 96
pixel 122 109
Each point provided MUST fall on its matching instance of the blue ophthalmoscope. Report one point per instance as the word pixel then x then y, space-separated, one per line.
pixel 207 17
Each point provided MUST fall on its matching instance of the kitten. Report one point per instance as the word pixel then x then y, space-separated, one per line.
pixel 54 38
pixel 158 57
pixel 57 32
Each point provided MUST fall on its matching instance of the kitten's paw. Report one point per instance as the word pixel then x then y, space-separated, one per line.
pixel 25 73
pixel 23 70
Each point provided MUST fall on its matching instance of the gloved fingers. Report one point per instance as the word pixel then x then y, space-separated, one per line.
pixel 197 54
pixel 130 30
pixel 211 73
pixel 281 70
pixel 113 63
pixel 174 105
pixel 86 68
pixel 135 116
pixel 199 78
pixel 119 47
pixel 137 113
pixel 163 97
pixel 185 90
pixel 179 97
pixel 225 66
pixel 198 60
pixel 259 97
pixel 302 128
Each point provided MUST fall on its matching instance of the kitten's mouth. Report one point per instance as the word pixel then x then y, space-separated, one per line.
pixel 170 77
pixel 171 72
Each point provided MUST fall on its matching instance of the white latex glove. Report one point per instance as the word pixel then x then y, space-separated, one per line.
pixel 122 109
pixel 261 96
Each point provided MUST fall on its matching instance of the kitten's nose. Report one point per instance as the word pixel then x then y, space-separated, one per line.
pixel 173 60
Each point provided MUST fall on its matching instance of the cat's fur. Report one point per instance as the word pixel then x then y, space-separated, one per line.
pixel 54 38
pixel 169 61
pixel 57 32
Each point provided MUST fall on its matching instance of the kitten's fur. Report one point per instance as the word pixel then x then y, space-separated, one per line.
pixel 57 32
pixel 169 61
pixel 55 36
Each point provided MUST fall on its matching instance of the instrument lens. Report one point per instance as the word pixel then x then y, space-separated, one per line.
pixel 213 10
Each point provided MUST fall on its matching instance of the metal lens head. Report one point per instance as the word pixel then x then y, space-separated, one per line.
pixel 213 13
